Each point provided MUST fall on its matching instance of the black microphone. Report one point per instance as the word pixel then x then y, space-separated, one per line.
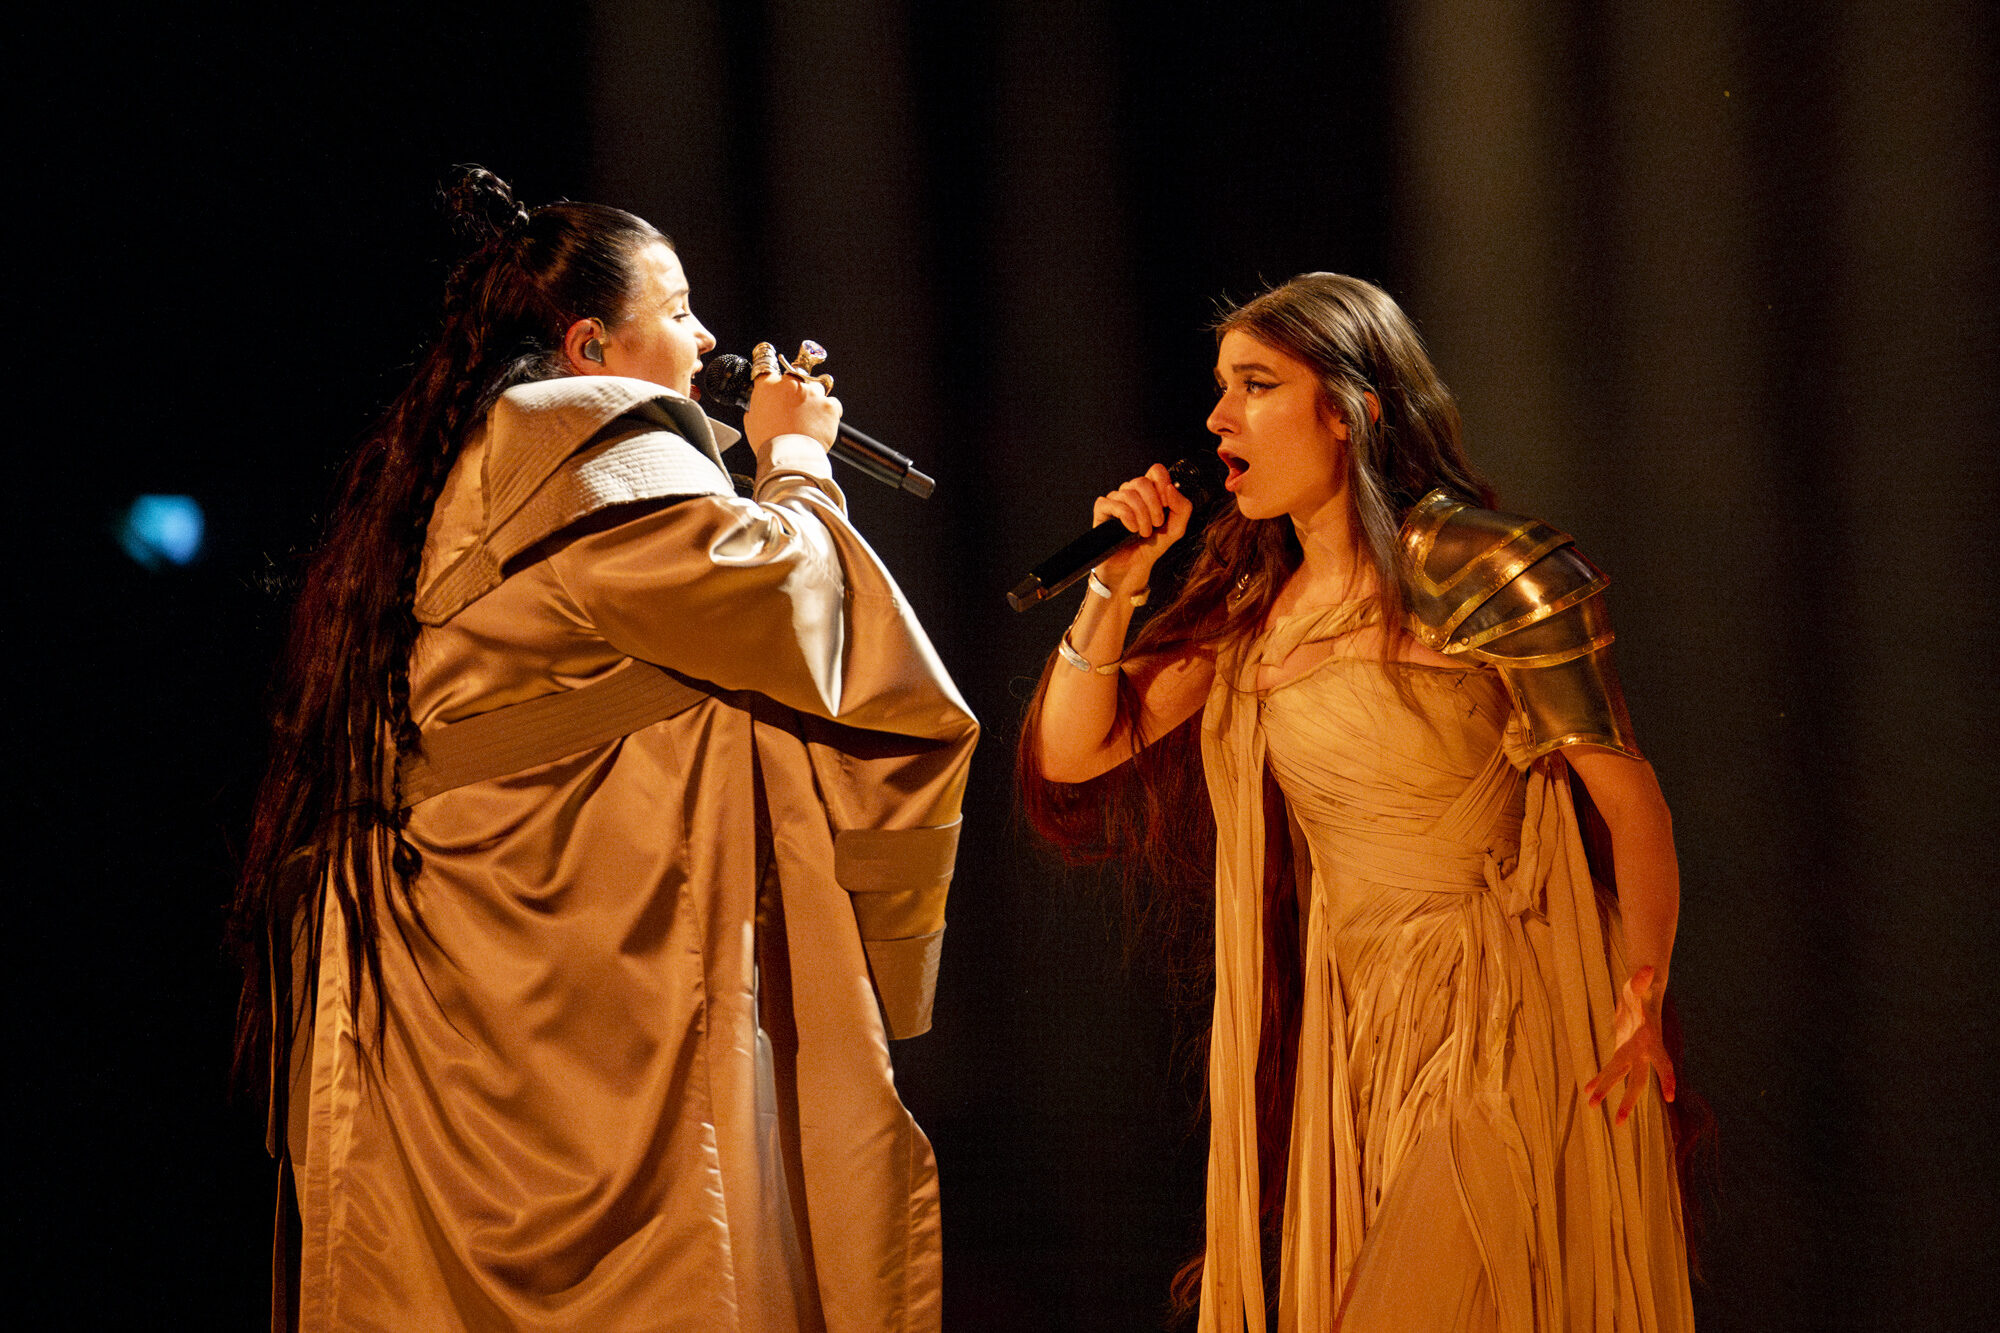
pixel 727 378
pixel 1195 476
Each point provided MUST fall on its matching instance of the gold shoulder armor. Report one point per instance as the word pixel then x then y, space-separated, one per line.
pixel 1513 591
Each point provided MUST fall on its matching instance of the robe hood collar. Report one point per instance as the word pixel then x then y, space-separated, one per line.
pixel 553 452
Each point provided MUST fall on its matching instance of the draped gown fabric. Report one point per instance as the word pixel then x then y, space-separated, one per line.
pixel 632 1074
pixel 1445 1170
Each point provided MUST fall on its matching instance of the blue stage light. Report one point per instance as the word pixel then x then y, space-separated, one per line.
pixel 162 530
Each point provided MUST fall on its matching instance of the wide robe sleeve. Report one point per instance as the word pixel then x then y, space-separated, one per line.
pixel 862 746
pixel 776 595
pixel 780 599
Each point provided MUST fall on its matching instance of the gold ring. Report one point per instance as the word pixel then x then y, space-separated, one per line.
pixel 810 355
pixel 763 360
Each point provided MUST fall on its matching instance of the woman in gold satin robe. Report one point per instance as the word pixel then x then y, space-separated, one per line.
pixel 1438 1080
pixel 604 842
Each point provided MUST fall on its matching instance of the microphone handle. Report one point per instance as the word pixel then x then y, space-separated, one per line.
pixel 1191 475
pixel 1070 564
pixel 879 461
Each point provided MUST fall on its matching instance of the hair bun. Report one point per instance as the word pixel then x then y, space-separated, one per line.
pixel 481 206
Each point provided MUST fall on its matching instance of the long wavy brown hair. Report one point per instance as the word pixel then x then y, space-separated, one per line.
pixel 1151 818
pixel 340 704
pixel 1358 341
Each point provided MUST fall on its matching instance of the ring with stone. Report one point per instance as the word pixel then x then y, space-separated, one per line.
pixel 810 355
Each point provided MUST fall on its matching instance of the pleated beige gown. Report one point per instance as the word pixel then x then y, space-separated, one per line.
pixel 1445 1170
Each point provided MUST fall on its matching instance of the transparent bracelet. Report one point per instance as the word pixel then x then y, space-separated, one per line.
pixel 1082 663
pixel 1103 589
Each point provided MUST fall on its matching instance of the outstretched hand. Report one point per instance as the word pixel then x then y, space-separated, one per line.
pixel 1641 1050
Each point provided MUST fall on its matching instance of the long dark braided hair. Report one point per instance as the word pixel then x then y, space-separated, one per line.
pixel 341 705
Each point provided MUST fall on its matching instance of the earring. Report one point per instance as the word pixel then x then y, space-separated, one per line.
pixel 593 350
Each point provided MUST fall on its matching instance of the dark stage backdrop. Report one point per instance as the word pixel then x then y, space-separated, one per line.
pixel 1714 283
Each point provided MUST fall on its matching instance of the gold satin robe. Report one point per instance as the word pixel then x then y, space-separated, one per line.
pixel 634 1073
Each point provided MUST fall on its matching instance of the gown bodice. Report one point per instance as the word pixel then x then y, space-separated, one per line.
pixel 1409 788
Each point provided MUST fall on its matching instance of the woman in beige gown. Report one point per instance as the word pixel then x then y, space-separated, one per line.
pixel 1397 689
pixel 627 806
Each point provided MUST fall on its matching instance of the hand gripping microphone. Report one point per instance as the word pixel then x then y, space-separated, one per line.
pixel 1195 476
pixel 726 379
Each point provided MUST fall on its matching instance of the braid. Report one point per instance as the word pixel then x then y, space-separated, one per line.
pixel 465 399
pixel 406 860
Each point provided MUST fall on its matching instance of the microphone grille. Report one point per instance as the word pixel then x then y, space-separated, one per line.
pixel 724 379
pixel 1198 476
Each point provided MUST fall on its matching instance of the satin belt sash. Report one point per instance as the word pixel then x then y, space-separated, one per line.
pixel 517 737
